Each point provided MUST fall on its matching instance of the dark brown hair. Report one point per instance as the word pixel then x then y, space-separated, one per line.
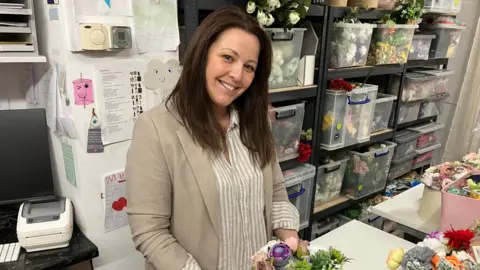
pixel 191 101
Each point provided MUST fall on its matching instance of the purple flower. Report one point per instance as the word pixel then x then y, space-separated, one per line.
pixel 435 235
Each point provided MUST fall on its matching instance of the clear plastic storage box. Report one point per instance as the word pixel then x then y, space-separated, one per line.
pixel 406 141
pixel 350 43
pixel 424 156
pixel 401 166
pixel 286 47
pixel 442 6
pixel 428 134
pixel 324 226
pixel 407 112
pixel 299 183
pixel 329 181
pixel 421 47
pixel 391 45
pixel 367 172
pixel 347 117
pixel 417 86
pixel 383 109
pixel 433 106
pixel 287 124
pixel 440 77
pixel 446 41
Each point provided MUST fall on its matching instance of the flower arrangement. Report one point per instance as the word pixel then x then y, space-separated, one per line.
pixel 287 12
pixel 341 84
pixel 406 12
pixel 449 250
pixel 278 254
pixel 472 159
pixel 469 188
pixel 305 146
pixel 439 176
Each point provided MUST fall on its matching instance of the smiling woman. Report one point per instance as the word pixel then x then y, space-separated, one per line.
pixel 204 187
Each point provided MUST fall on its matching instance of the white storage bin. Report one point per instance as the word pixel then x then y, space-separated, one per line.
pixel 440 79
pixel 329 181
pixel 420 47
pixel 456 6
pixel 391 44
pixel 424 156
pixel 366 173
pixel 401 166
pixel 286 47
pixel 325 226
pixel 383 109
pixel 446 41
pixel 299 181
pixel 407 112
pixel 350 43
pixel 417 86
pixel 406 141
pixel 438 6
pixel 347 117
pixel 287 124
pixel 428 134
pixel 433 106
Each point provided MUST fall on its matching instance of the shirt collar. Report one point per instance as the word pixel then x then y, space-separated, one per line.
pixel 234 119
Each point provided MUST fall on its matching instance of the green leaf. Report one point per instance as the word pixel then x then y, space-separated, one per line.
pixel 281 16
pixel 301 11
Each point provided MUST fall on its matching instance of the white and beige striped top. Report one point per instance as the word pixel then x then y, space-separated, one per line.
pixel 240 188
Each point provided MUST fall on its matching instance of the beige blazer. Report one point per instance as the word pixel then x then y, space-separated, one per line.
pixel 173 205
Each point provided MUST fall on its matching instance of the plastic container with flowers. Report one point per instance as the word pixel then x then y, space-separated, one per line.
pixel 448 250
pixel 392 39
pixel 286 40
pixel 277 255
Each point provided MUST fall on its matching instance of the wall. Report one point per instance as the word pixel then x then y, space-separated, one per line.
pixel 469 14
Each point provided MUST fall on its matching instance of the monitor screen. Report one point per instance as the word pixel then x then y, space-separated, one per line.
pixel 25 169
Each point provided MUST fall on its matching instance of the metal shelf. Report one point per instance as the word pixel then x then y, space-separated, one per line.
pixel 365 14
pixel 13 29
pixel 428 62
pixel 376 137
pixel 14 11
pixel 365 71
pixel 416 122
pixel 292 93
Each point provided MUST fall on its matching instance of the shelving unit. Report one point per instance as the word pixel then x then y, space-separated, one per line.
pixel 323 18
pixel 18 44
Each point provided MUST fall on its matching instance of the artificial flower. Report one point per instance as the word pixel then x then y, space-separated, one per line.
pixel 251 7
pixel 261 17
pixel 395 258
pixel 436 245
pixel 304 152
pixel 270 20
pixel 293 17
pixel 273 3
pixel 459 239
pixel 435 234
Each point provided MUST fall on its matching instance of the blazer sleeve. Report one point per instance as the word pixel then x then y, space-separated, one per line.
pixel 149 199
pixel 279 190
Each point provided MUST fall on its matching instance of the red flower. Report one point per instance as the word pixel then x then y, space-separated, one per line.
pixel 304 152
pixel 341 84
pixel 459 239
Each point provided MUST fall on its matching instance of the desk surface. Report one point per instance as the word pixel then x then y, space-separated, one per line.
pixel 403 209
pixel 80 249
pixel 367 246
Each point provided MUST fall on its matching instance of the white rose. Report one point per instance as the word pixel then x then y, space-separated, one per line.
pixel 261 18
pixel 270 20
pixel 293 17
pixel 251 7
pixel 273 3
pixel 294 5
pixel 306 8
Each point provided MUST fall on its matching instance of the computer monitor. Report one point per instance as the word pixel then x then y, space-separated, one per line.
pixel 25 168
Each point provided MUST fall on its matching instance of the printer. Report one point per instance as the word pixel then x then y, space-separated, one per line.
pixel 46 224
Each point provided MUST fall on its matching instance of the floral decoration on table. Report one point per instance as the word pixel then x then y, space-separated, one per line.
pixel 469 188
pixel 472 160
pixel 277 254
pixel 305 146
pixel 286 12
pixel 439 176
pixel 449 250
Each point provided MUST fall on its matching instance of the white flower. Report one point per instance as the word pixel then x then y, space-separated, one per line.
pixel 270 9
pixel 251 7
pixel 273 3
pixel 261 17
pixel 270 19
pixel 436 245
pixel 306 8
pixel 293 17
pixel 294 5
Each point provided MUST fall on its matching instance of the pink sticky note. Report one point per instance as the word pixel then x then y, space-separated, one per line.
pixel 83 91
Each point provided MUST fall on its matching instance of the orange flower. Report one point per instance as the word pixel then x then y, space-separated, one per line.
pixel 452 260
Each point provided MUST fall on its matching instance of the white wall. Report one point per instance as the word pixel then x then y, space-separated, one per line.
pixel 469 14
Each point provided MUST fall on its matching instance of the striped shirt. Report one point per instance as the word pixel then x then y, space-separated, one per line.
pixel 240 189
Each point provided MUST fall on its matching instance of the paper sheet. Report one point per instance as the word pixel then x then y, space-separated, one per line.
pixel 48 84
pixel 32 93
pixel 4 104
pixel 103 7
pixel 69 162
pixel 120 98
pixel 115 201
pixel 65 125
pixel 156 25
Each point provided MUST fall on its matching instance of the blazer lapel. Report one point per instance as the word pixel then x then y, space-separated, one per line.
pixel 203 171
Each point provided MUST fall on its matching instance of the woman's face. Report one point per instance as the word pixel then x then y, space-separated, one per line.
pixel 231 64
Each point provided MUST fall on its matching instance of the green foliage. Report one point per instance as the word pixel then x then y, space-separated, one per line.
pixel 328 259
pixel 299 265
pixel 282 12
pixel 405 12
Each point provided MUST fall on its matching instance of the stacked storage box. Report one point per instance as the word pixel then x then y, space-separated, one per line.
pixel 442 6
pixel 367 172
pixel 404 153
pixel 383 109
pixel 433 106
pixel 420 47
pixel 299 183
pixel 427 143
pixel 391 44
pixel 446 41
pixel 287 124
pixel 329 181
pixel 347 117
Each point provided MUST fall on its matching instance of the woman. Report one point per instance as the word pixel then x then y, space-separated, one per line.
pixel 205 190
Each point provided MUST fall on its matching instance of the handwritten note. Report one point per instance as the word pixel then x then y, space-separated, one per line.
pixel 115 201
pixel 69 162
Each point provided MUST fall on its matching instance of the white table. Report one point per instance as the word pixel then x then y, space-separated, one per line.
pixel 367 246
pixel 403 209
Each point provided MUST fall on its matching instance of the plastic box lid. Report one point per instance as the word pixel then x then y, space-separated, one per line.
pixel 421 36
pixel 427 128
pixel 438 96
pixel 435 72
pixel 408 26
pixel 428 149
pixel 298 174
pixel 364 89
pixel 406 136
pixel 355 25
pixel 381 98
pixel 445 26
pixel 404 158
pixel 333 163
pixel 287 108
